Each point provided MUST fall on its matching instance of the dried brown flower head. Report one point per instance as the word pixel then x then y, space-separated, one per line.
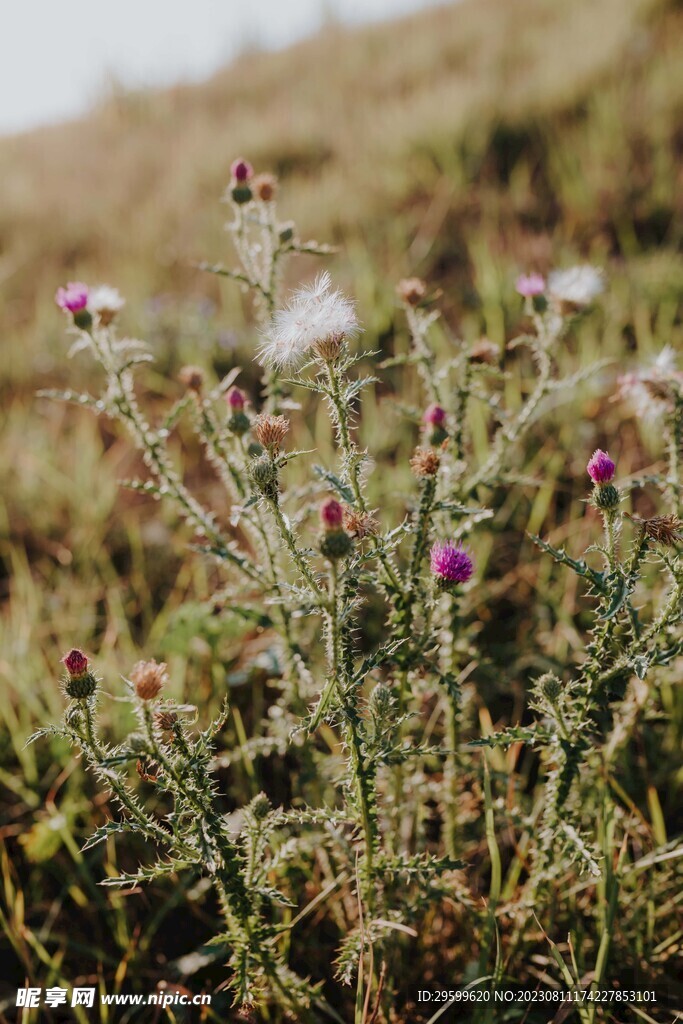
pixel 264 187
pixel 165 719
pixel 661 529
pixel 148 678
pixel 328 349
pixel 484 351
pixel 425 462
pixel 411 290
pixel 192 377
pixel 270 431
pixel 359 524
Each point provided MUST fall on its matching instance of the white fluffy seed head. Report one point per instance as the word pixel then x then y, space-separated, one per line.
pixel 578 286
pixel 313 315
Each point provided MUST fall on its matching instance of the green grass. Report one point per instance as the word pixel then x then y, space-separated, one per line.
pixel 463 144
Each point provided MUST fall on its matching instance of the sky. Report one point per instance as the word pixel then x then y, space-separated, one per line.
pixel 57 56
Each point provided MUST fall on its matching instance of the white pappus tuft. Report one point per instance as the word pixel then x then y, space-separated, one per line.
pixel 313 314
pixel 577 285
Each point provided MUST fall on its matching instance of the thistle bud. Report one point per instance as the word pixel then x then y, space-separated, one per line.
pixel 79 682
pixel 265 187
pixel 148 678
pixel 550 686
pixel 241 170
pixel 335 544
pixel 411 290
pixel 241 194
pixel 435 417
pixel 263 472
pixel 74 299
pixel 606 497
pixel 235 399
pixel 601 469
pixel 260 807
pixel 165 720
pixel 286 232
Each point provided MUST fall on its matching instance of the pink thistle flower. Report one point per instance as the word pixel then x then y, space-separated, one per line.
pixel 530 285
pixel 241 170
pixel 331 514
pixel 75 662
pixel 73 298
pixel 451 563
pixel 435 415
pixel 235 399
pixel 600 467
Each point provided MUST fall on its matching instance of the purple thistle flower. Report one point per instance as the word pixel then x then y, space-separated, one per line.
pixel 435 415
pixel 530 285
pixel 451 562
pixel 73 298
pixel 75 662
pixel 235 399
pixel 241 170
pixel 600 467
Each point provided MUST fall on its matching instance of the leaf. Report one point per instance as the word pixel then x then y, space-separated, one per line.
pixel 111 828
pixel 619 593
pixel 333 480
pixel 579 567
pixel 641 664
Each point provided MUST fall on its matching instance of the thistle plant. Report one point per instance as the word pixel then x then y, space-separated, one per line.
pixel 386 736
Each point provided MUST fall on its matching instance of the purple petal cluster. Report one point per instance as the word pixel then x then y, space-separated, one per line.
pixel 530 285
pixel 451 562
pixel 600 467
pixel 72 298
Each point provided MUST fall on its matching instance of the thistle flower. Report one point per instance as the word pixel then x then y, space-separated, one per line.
pixel 359 524
pixel 451 564
pixel 192 377
pixel 264 187
pixel 530 285
pixel 79 683
pixel 165 719
pixel 148 678
pixel 577 286
pixel 235 399
pixel 434 415
pixel 600 467
pixel 411 290
pixel 331 514
pixel 105 302
pixel 270 431
pixel 313 316
pixel 666 529
pixel 425 462
pixel 241 170
pixel 73 298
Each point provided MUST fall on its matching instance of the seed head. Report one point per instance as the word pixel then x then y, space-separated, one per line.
pixel 331 514
pixel 241 170
pixel 264 187
pixel 600 467
pixel 576 286
pixel 666 529
pixel 451 564
pixel 105 302
pixel 270 431
pixel 192 377
pixel 530 285
pixel 359 524
pixel 425 462
pixel 313 315
pixel 148 678
pixel 411 290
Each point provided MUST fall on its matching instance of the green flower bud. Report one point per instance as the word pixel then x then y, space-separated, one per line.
pixel 260 807
pixel 241 194
pixel 550 686
pixel 335 544
pixel 264 475
pixel 606 497
pixel 239 423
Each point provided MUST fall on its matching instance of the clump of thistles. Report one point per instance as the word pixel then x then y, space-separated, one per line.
pixel 425 462
pixel 149 678
pixel 601 469
pixel 79 681
pixel 335 541
pixel 316 322
pixel 451 564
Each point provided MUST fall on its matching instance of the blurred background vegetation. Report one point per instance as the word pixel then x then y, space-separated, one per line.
pixel 464 144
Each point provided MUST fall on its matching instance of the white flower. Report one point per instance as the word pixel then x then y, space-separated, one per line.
pixel 313 315
pixel 576 285
pixel 106 302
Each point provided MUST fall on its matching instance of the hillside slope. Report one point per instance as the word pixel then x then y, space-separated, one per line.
pixel 465 130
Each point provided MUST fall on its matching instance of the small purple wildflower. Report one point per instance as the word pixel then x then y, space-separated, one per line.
pixel 331 514
pixel 235 399
pixel 600 467
pixel 530 285
pixel 241 170
pixel 435 415
pixel 73 298
pixel 75 662
pixel 451 562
